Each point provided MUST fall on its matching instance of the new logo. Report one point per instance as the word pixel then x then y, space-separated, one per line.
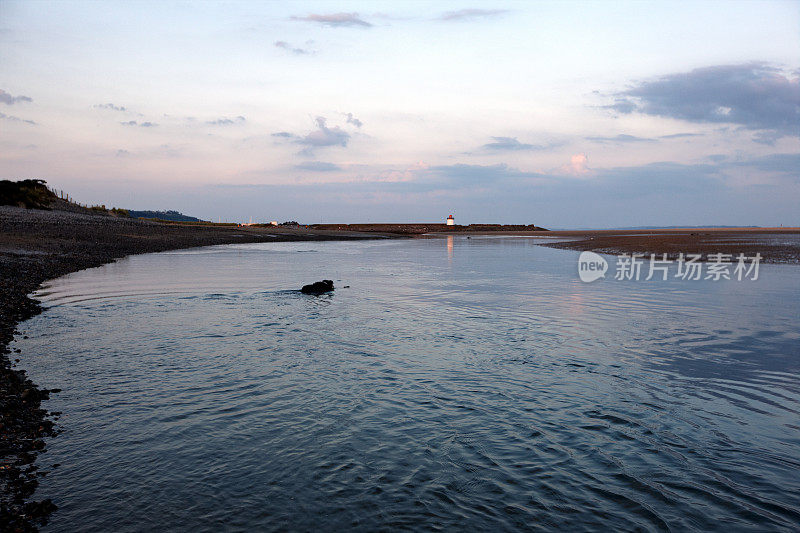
pixel 591 266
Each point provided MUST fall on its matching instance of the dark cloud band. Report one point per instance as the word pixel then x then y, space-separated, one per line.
pixel 754 96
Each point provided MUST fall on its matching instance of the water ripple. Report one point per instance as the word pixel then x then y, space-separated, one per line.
pixel 476 386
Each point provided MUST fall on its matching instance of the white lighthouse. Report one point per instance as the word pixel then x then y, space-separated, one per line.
pixel 451 221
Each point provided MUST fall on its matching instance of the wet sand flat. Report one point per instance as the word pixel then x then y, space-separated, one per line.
pixel 776 245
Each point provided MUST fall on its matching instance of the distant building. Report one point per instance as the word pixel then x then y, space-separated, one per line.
pixel 451 221
pixel 273 222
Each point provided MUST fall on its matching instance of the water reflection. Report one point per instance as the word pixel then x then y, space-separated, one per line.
pixel 488 388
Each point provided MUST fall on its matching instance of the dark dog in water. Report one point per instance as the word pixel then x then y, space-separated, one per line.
pixel 318 287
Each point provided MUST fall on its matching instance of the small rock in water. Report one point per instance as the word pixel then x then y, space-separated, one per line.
pixel 318 287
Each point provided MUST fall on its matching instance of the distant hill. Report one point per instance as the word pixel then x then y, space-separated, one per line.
pixel 163 215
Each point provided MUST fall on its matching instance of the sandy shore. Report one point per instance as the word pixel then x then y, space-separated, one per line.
pixel 776 245
pixel 37 245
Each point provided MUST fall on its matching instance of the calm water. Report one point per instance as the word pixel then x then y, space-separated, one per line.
pixel 463 383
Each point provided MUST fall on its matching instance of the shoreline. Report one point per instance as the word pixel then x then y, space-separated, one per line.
pixel 39 245
pixel 776 245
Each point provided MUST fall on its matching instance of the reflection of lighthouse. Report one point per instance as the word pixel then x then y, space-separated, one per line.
pixel 451 221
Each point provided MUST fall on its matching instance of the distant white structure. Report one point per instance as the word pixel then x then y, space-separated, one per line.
pixel 451 221
pixel 273 222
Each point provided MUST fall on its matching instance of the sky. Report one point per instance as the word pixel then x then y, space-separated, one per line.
pixel 561 114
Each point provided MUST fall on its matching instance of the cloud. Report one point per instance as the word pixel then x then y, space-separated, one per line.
pixel 286 46
pixel 421 178
pixel 336 20
pixel 621 138
pixel 784 163
pixel 468 176
pixel 11 118
pixel 755 96
pixel 353 120
pixel 578 166
pixel 661 180
pixel 767 137
pixel 224 121
pixel 470 14
pixel 510 143
pixel 325 136
pixel 112 107
pixel 7 99
pixel 681 135
pixel 321 137
pixel 657 194
pixel 622 105
pixel 318 166
pixel 636 195
pixel 141 125
pixel 163 151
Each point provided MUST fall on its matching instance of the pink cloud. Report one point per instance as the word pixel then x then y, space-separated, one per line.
pixel 578 166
